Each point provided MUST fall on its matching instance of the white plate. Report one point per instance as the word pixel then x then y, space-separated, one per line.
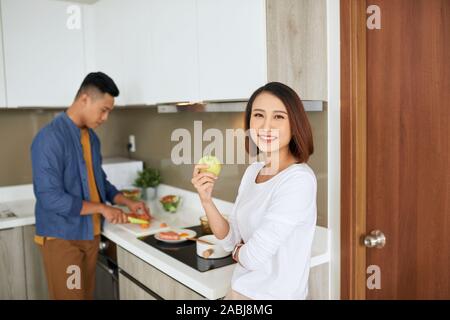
pixel 191 234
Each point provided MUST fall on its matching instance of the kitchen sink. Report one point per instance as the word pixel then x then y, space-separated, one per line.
pixel 6 213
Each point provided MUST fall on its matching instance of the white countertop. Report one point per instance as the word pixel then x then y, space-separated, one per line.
pixel 24 211
pixel 212 284
pixel 19 200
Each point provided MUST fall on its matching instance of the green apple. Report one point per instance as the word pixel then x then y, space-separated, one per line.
pixel 214 165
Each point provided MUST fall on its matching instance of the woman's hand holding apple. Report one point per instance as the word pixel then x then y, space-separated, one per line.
pixel 203 181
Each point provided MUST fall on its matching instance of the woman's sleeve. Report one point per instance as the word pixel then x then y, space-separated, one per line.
pixel 233 237
pixel 290 206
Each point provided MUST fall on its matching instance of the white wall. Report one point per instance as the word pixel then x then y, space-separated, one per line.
pixel 334 144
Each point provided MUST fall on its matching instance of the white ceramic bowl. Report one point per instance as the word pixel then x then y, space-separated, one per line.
pixel 214 251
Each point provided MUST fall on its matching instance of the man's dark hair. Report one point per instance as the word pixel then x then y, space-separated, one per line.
pixel 99 82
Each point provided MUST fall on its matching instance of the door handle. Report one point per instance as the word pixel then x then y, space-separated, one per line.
pixel 376 239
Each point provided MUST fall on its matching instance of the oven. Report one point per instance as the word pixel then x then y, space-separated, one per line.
pixel 107 271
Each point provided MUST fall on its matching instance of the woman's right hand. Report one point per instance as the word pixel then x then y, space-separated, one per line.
pixel 203 182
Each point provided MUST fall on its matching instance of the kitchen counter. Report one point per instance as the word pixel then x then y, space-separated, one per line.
pixel 212 284
pixel 19 200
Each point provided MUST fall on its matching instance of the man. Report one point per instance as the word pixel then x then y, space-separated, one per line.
pixel 71 190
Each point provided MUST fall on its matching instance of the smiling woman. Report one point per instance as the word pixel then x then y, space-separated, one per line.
pixel 271 227
pixel 279 102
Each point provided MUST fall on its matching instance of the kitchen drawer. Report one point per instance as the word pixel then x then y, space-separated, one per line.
pixel 128 290
pixel 155 280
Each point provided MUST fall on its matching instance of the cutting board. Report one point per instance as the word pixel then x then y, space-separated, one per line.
pixel 136 229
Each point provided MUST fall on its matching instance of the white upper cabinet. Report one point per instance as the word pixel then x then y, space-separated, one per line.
pixel 175 65
pixel 148 47
pixel 161 51
pixel 118 43
pixel 232 48
pixel 2 72
pixel 44 56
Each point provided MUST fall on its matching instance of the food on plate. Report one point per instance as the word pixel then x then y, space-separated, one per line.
pixel 132 194
pixel 163 225
pixel 184 234
pixel 169 235
pixel 145 225
pixel 214 165
pixel 170 203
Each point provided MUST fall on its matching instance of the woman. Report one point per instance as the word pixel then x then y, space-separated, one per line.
pixel 271 227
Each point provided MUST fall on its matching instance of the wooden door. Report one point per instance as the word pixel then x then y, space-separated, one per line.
pixel 396 95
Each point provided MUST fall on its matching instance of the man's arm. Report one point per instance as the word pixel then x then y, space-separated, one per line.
pixel 134 206
pixel 47 164
pixel 120 199
pixel 111 214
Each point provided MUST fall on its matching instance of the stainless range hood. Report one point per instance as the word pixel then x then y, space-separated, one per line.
pixel 228 106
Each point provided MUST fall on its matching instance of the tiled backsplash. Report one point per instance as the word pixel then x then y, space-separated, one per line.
pixel 153 143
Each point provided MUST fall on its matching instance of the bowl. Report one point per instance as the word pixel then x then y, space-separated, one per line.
pixel 170 203
pixel 211 251
pixel 134 194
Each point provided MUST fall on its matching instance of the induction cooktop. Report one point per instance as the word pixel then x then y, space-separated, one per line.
pixel 186 252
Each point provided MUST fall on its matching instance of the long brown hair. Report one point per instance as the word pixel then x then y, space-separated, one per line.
pixel 301 144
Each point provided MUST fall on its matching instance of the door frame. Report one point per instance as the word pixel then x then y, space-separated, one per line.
pixel 353 147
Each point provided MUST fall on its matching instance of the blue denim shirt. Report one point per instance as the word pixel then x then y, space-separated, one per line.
pixel 60 181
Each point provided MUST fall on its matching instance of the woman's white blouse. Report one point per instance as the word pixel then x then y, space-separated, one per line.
pixel 276 220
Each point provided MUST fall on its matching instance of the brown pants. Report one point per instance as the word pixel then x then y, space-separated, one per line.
pixel 70 268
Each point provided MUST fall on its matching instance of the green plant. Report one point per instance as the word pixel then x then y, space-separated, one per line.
pixel 148 178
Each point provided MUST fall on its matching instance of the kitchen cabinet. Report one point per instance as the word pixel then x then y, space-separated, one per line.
pixel 232 48
pixel 148 47
pixel 132 291
pixel 36 281
pixel 44 58
pixel 189 50
pixel 2 70
pixel 118 43
pixel 297 46
pixel 23 275
pixel 161 51
pixel 244 44
pixel 12 265
pixel 224 50
pixel 173 27
pixel 152 279
pixel 182 50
